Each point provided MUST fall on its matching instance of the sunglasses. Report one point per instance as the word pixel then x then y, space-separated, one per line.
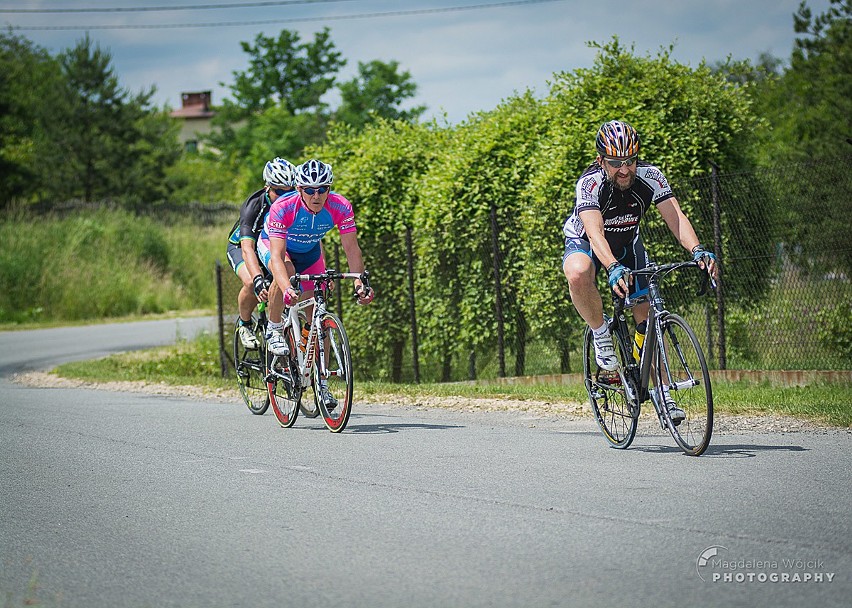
pixel 615 164
pixel 312 191
pixel 281 191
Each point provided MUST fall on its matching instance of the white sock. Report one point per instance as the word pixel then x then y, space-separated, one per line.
pixel 275 326
pixel 601 331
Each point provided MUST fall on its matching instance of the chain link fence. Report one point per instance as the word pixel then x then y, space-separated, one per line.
pixel 784 300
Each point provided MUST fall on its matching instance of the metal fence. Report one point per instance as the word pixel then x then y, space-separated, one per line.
pixel 782 303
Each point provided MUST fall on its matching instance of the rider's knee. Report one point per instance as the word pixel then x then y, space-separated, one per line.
pixel 579 277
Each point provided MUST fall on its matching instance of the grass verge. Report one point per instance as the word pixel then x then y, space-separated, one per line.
pixel 196 363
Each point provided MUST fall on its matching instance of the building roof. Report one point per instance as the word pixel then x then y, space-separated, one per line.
pixel 194 105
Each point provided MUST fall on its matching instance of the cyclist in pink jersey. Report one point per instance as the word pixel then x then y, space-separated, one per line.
pixel 292 236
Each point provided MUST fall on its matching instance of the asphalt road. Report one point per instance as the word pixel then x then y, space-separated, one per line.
pixel 112 499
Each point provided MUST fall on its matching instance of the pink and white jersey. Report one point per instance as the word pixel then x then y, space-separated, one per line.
pixel 289 219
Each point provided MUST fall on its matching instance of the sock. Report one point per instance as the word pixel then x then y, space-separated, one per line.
pixel 275 326
pixel 244 323
pixel 601 331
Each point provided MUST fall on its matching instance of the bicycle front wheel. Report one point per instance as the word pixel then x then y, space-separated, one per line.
pixel 611 394
pixel 249 366
pixel 688 381
pixel 333 389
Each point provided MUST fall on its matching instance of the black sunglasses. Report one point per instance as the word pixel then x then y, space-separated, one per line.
pixel 312 191
pixel 281 191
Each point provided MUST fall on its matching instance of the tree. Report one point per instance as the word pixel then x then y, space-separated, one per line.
pixel 377 92
pixel 286 76
pixel 107 142
pixel 809 105
pixel 29 91
pixel 284 72
pixel 810 109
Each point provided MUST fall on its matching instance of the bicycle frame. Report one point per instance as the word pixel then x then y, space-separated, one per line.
pixel 657 314
pixel 315 349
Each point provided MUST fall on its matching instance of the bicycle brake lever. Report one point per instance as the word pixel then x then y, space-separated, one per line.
pixel 705 280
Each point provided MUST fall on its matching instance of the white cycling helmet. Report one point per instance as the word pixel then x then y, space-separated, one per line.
pixel 314 173
pixel 279 172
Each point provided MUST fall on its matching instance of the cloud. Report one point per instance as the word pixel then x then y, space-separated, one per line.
pixel 462 61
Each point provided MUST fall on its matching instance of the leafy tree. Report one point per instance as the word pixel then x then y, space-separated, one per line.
pixel 107 142
pixel 809 108
pixel 820 79
pixel 288 73
pixel 287 78
pixel 29 93
pixel 377 92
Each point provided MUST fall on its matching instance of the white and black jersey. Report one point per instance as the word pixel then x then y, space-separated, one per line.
pixel 621 209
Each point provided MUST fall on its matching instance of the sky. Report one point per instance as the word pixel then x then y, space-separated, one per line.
pixel 464 55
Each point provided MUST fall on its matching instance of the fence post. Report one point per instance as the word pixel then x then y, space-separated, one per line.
pixel 498 293
pixel 415 356
pixel 717 249
pixel 339 288
pixel 223 357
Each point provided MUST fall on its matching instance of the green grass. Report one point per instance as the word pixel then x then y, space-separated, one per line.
pixel 92 265
pixel 196 362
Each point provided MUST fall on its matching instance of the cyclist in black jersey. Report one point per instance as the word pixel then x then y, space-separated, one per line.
pixel 279 176
pixel 612 196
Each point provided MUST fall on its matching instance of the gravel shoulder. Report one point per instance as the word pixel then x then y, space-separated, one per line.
pixel 532 413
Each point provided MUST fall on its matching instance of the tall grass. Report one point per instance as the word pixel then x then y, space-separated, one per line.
pixel 104 263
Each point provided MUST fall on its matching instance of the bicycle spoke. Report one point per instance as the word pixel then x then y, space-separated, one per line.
pixel 615 411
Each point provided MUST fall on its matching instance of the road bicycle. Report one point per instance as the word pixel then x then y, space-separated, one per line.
pixel 252 367
pixel 671 358
pixel 321 360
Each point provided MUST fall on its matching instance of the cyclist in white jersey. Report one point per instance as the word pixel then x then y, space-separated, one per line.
pixel 612 196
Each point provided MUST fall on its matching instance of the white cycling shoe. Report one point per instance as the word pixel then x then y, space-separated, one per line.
pixel 276 343
pixel 675 413
pixel 247 338
pixel 605 352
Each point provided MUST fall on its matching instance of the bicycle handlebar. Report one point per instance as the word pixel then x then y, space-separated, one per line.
pixel 657 269
pixel 331 275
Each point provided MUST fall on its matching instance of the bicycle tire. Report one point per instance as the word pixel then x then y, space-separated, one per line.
pixel 250 371
pixel 339 382
pixel 691 388
pixel 615 408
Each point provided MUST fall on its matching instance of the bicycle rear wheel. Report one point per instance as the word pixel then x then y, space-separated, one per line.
pixel 249 366
pixel 333 391
pixel 285 393
pixel 688 381
pixel 611 394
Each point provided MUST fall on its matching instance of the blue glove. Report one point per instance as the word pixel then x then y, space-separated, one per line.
pixel 699 254
pixel 617 271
